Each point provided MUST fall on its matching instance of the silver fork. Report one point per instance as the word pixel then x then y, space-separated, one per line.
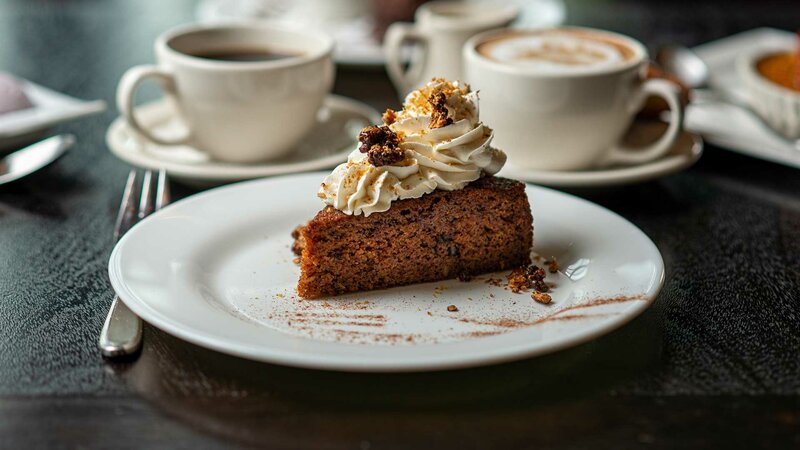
pixel 122 331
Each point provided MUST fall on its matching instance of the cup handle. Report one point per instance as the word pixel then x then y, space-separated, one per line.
pixel 669 92
pixel 126 94
pixel 396 35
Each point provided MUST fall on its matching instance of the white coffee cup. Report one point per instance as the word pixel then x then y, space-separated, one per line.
pixel 236 111
pixel 547 116
pixel 439 32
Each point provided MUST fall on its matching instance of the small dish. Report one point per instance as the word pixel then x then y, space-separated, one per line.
pixel 726 123
pixel 49 108
pixel 779 106
pixel 217 270
pixel 331 141
pixel 688 148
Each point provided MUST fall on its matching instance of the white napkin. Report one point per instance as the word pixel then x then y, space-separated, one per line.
pixel 49 108
pixel 734 127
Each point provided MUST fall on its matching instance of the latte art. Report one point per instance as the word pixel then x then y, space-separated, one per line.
pixel 556 51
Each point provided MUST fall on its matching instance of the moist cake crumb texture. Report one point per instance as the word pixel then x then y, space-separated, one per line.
pixel 485 227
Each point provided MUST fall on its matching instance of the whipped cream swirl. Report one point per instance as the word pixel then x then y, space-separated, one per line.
pixel 446 158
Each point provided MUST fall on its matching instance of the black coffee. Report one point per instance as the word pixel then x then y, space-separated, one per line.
pixel 244 55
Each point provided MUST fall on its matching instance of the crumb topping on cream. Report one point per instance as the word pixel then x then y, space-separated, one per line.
pixel 442 145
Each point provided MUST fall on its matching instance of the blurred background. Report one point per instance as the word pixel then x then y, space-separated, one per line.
pixel 83 46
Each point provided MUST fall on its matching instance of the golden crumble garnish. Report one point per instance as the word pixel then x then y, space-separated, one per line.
pixel 523 278
pixel 541 297
pixel 439 119
pixel 389 116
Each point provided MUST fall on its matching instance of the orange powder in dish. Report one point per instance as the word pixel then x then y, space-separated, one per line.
pixel 782 69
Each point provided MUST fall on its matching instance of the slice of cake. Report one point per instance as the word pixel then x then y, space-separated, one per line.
pixel 416 202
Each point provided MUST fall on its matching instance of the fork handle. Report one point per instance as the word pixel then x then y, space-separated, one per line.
pixel 122 332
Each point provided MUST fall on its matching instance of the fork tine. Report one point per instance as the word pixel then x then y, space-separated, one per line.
pixel 147 199
pixel 162 193
pixel 127 209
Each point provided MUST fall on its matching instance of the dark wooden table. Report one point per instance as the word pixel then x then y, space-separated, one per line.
pixel 714 362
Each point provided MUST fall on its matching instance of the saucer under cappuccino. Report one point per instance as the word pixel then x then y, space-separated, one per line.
pixel 557 51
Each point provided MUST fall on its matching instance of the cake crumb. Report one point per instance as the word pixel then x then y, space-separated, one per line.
pixel 497 282
pixel 297 260
pixel 299 241
pixel 438 101
pixel 452 308
pixel 541 297
pixel 552 265
pixel 429 313
pixel 523 278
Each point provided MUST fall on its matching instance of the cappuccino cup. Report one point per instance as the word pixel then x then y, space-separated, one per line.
pixel 245 92
pixel 438 34
pixel 562 98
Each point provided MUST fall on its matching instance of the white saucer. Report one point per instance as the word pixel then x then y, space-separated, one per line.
pixel 686 151
pixel 216 269
pixel 334 137
pixel 355 43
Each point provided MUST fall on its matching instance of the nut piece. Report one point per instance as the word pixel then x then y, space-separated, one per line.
pixel 523 278
pixel 541 297
pixel 439 119
pixel 381 144
pixel 452 308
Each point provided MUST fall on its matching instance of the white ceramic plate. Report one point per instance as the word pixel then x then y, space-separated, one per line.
pixel 729 125
pixel 355 43
pixel 334 137
pixel 686 151
pixel 216 269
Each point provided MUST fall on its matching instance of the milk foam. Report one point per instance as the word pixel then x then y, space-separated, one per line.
pixel 554 52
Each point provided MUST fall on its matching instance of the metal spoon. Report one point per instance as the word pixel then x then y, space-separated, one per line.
pixel 693 72
pixel 684 64
pixel 33 157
